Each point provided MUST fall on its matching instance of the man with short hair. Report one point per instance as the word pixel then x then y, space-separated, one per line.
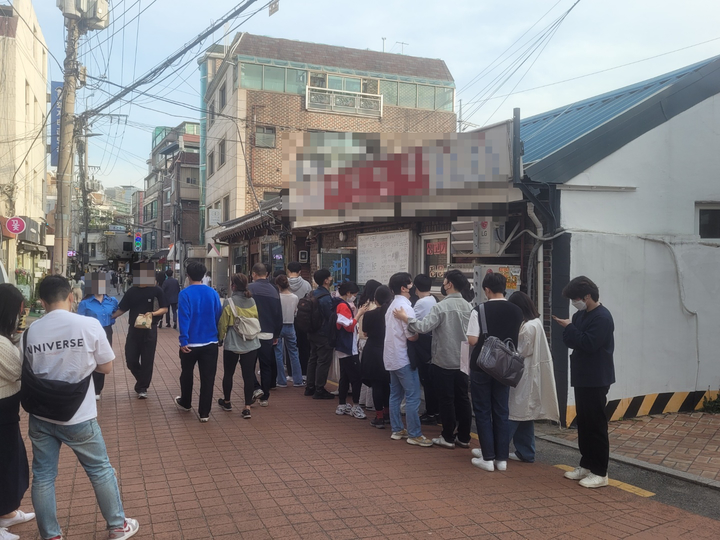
pixel 489 396
pixel 448 321
pixel 269 308
pixel 421 349
pixel 300 288
pixel 63 346
pixel 404 379
pixel 199 313
pixel 171 290
pixel 321 350
pixel 147 298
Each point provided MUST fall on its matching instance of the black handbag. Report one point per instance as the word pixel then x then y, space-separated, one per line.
pixel 498 358
pixel 48 398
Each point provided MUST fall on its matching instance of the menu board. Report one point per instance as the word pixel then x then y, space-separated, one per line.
pixel 436 259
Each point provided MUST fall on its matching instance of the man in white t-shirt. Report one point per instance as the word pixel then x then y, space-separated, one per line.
pixel 404 379
pixel 63 346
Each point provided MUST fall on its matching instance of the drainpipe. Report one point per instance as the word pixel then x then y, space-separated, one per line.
pixel 540 277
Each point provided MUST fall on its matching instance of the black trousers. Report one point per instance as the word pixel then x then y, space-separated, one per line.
pixel 455 409
pixel 349 375
pixel 303 343
pixel 321 357
pixel 173 308
pixel 381 395
pixel 428 383
pixel 206 359
pixel 592 425
pixel 266 355
pixel 140 355
pixel 99 378
pixel 247 367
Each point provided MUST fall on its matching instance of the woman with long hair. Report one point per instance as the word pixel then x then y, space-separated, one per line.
pixel 373 370
pixel 14 472
pixel 236 348
pixel 367 298
pixel 534 398
pixel 99 305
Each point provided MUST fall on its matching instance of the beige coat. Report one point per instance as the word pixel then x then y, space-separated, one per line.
pixel 535 397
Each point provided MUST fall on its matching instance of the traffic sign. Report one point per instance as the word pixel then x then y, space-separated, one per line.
pixel 16 225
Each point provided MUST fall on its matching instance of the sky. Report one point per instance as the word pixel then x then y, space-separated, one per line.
pixel 601 44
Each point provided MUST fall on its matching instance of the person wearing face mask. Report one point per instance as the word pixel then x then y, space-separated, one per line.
pixel 590 334
pixel 346 345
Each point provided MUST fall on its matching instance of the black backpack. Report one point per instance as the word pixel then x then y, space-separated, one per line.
pixel 332 329
pixel 309 318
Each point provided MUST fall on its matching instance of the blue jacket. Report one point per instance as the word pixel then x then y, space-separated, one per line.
pixel 199 311
pixel 90 307
pixel 269 308
pixel 326 308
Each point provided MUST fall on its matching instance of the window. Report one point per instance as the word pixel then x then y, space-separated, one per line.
pixel 407 95
pixel 211 163
pixel 167 196
pixel 274 79
pixel 370 86
pixel 251 76
pixel 212 113
pixel 318 80
pixel 269 195
pixel 443 99
pixel 93 249
pixel 222 96
pixel 27 101
pixel 296 81
pixel 426 97
pixel 265 137
pixel 222 153
pixel 226 208
pixel 436 255
pixel 348 84
pixel 709 221
pixel 335 83
pixel 389 91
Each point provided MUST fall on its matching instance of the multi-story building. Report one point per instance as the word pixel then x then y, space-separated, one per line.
pixel 137 205
pixel 120 197
pixel 23 108
pixel 262 87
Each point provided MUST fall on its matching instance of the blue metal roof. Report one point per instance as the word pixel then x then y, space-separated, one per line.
pixel 546 133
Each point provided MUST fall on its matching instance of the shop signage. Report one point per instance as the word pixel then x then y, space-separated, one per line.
pixel 16 225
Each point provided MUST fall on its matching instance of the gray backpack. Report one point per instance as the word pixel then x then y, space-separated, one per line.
pixel 247 328
pixel 498 358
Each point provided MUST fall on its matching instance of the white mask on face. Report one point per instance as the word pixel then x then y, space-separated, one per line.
pixel 580 305
pixel 352 300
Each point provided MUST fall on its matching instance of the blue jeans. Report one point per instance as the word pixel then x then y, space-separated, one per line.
pixel 288 337
pixel 87 442
pixel 490 403
pixel 523 437
pixel 405 382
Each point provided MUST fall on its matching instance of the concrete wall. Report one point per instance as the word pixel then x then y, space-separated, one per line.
pixel 657 278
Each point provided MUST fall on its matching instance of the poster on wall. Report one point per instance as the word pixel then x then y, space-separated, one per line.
pixel 342 265
pixel 436 259
pixel 383 254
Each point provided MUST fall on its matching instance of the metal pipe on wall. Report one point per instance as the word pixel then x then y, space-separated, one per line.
pixel 540 258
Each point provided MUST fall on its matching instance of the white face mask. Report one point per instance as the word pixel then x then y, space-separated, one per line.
pixel 352 300
pixel 580 305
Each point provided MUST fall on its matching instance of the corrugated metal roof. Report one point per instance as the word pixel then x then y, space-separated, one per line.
pixel 546 133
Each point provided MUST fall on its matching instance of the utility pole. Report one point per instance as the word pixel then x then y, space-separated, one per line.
pixel 65 155
pixel 460 126
pixel 82 164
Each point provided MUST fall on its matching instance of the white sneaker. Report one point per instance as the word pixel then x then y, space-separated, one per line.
pixel 513 456
pixel 97 397
pixel 577 474
pixel 7 535
pixel 476 453
pixel 264 403
pixel 501 465
pixel 594 481
pixel 130 528
pixel 440 441
pixel 398 435
pixel 480 463
pixel 257 394
pixel 340 410
pixel 142 395
pixel 357 412
pixel 19 517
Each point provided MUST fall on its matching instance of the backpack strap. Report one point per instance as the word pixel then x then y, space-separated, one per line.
pixel 232 307
pixel 483 320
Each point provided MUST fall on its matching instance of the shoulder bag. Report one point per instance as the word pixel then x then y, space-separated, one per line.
pixel 499 358
pixel 248 328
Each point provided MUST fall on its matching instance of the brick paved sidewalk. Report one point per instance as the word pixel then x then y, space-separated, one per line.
pixel 296 470
pixel 685 442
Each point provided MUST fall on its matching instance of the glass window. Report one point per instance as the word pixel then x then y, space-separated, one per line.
pixel 296 81
pixel 222 153
pixel 426 97
pixel 222 97
pixel 274 79
pixel 435 259
pixel 370 86
pixel 335 83
pixel 407 95
pixel 265 137
pixel 240 259
pixel 226 208
pixel 273 254
pixel 318 80
pixel 443 99
pixel 251 76
pixel 353 85
pixel 212 113
pixel 211 163
pixel 389 91
pixel 710 223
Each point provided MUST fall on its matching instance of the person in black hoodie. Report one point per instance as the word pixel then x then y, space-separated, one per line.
pixel 590 334
pixel 269 309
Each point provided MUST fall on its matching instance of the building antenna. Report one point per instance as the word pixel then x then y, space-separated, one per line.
pixel 383 43
pixel 402 46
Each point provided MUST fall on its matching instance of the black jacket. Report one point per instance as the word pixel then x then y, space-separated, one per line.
pixel 268 304
pixel 171 290
pixel 591 336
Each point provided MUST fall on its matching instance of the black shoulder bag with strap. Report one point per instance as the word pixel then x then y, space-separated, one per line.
pixel 48 398
pixel 499 358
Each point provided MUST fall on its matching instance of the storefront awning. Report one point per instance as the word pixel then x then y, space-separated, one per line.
pixel 159 255
pixel 253 220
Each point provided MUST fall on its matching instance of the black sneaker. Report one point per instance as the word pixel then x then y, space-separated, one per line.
pixel 246 414
pixel 309 390
pixel 321 393
pixel 378 423
pixel 429 419
pixel 225 405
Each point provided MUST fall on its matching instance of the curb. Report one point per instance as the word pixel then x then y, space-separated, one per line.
pixel 712 484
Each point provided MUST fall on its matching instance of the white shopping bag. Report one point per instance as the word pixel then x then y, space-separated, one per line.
pixel 465 357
